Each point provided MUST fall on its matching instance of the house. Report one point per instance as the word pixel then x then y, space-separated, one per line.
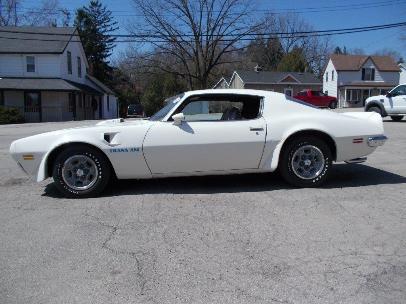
pixel 402 77
pixel 354 78
pixel 289 83
pixel 43 73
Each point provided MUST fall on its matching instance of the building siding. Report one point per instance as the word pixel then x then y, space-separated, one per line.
pixel 330 86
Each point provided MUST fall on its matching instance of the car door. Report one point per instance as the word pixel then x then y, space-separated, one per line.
pixel 397 101
pixel 210 139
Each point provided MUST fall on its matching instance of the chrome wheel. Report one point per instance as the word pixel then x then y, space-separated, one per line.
pixel 308 162
pixel 79 172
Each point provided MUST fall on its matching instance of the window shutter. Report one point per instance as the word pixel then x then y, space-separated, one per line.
pixel 373 74
pixel 363 74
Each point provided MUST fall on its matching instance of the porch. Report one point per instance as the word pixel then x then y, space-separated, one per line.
pixel 45 100
pixel 354 95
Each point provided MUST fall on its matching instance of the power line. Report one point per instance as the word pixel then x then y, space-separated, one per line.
pixel 312 32
pixel 265 11
pixel 248 37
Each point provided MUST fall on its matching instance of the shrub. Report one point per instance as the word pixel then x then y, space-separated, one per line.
pixel 10 116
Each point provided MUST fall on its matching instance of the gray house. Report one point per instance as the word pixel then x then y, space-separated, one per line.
pixel 43 73
pixel 289 83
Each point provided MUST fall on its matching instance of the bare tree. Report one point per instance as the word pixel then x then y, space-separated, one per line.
pixel 45 13
pixel 191 38
pixel 316 49
pixel 8 12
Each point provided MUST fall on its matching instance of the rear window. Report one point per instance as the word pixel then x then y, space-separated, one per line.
pixel 301 102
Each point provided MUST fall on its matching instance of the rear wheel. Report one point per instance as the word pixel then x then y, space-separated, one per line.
pixel 397 118
pixel 305 162
pixel 333 104
pixel 81 172
pixel 375 109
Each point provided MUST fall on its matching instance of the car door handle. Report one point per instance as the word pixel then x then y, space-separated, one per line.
pixel 256 129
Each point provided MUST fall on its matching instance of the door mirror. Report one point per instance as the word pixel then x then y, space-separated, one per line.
pixel 178 118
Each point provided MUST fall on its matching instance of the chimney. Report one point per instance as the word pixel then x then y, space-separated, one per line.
pixel 257 68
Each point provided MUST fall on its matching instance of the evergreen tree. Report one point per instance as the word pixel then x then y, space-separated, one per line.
pixel 95 24
pixel 338 51
pixel 294 61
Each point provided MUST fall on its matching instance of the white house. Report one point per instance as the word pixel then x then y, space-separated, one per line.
pixel 354 78
pixel 43 73
pixel 402 79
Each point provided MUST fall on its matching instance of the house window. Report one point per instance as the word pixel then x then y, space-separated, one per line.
pixel 326 76
pixel 69 57
pixel 368 74
pixel 1 98
pixel 332 75
pixel 30 60
pixel 79 67
pixel 353 96
pixel 31 102
pixel 108 103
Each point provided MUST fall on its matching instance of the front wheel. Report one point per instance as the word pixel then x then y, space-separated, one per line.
pixel 305 162
pixel 333 104
pixel 397 118
pixel 81 171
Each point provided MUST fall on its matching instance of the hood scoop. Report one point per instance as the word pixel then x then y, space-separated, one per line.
pixel 111 121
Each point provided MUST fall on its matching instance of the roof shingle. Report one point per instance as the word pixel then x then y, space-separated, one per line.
pixel 34 40
pixel 355 62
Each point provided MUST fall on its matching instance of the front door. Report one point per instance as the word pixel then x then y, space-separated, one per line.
pixel 218 134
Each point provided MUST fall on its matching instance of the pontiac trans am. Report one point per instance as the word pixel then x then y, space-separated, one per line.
pixel 204 132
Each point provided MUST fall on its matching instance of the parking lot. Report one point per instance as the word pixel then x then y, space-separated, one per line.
pixel 224 239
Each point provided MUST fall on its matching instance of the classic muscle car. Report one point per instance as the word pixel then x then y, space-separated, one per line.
pixel 204 132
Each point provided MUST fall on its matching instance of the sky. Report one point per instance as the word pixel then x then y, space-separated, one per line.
pixel 321 14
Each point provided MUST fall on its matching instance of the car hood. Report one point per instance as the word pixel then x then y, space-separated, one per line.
pixel 84 133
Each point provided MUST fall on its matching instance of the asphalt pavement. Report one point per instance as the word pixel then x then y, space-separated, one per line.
pixel 223 239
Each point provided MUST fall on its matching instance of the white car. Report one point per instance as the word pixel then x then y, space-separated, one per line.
pixel 392 104
pixel 204 133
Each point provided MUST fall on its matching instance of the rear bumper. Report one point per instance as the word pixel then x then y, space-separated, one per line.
pixel 376 141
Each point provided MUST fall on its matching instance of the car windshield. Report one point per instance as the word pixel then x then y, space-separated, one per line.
pixel 169 104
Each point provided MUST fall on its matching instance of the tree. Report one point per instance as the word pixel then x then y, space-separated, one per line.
pixel 192 37
pixel 162 86
pixel 294 61
pixel 95 24
pixel 267 53
pixel 45 13
pixel 338 51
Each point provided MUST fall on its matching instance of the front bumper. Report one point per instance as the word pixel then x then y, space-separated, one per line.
pixel 376 141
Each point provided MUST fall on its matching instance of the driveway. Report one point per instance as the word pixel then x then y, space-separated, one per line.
pixel 224 239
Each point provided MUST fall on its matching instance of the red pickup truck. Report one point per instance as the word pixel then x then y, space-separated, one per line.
pixel 316 98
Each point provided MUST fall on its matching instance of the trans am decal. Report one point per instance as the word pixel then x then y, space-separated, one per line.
pixel 124 150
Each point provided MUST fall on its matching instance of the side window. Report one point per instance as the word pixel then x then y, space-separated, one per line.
pixel 30 64
pixel 221 108
pixel 400 90
pixel 69 59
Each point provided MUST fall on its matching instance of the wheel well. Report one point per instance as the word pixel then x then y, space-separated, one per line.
pixel 376 104
pixel 53 155
pixel 319 134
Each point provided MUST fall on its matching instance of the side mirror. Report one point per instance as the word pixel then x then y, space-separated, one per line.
pixel 178 118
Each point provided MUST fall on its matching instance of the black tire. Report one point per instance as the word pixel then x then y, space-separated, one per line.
pixel 397 118
pixel 376 110
pixel 286 164
pixel 98 159
pixel 333 104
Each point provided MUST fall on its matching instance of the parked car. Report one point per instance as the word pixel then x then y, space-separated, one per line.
pixel 204 133
pixel 317 98
pixel 392 104
pixel 135 110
